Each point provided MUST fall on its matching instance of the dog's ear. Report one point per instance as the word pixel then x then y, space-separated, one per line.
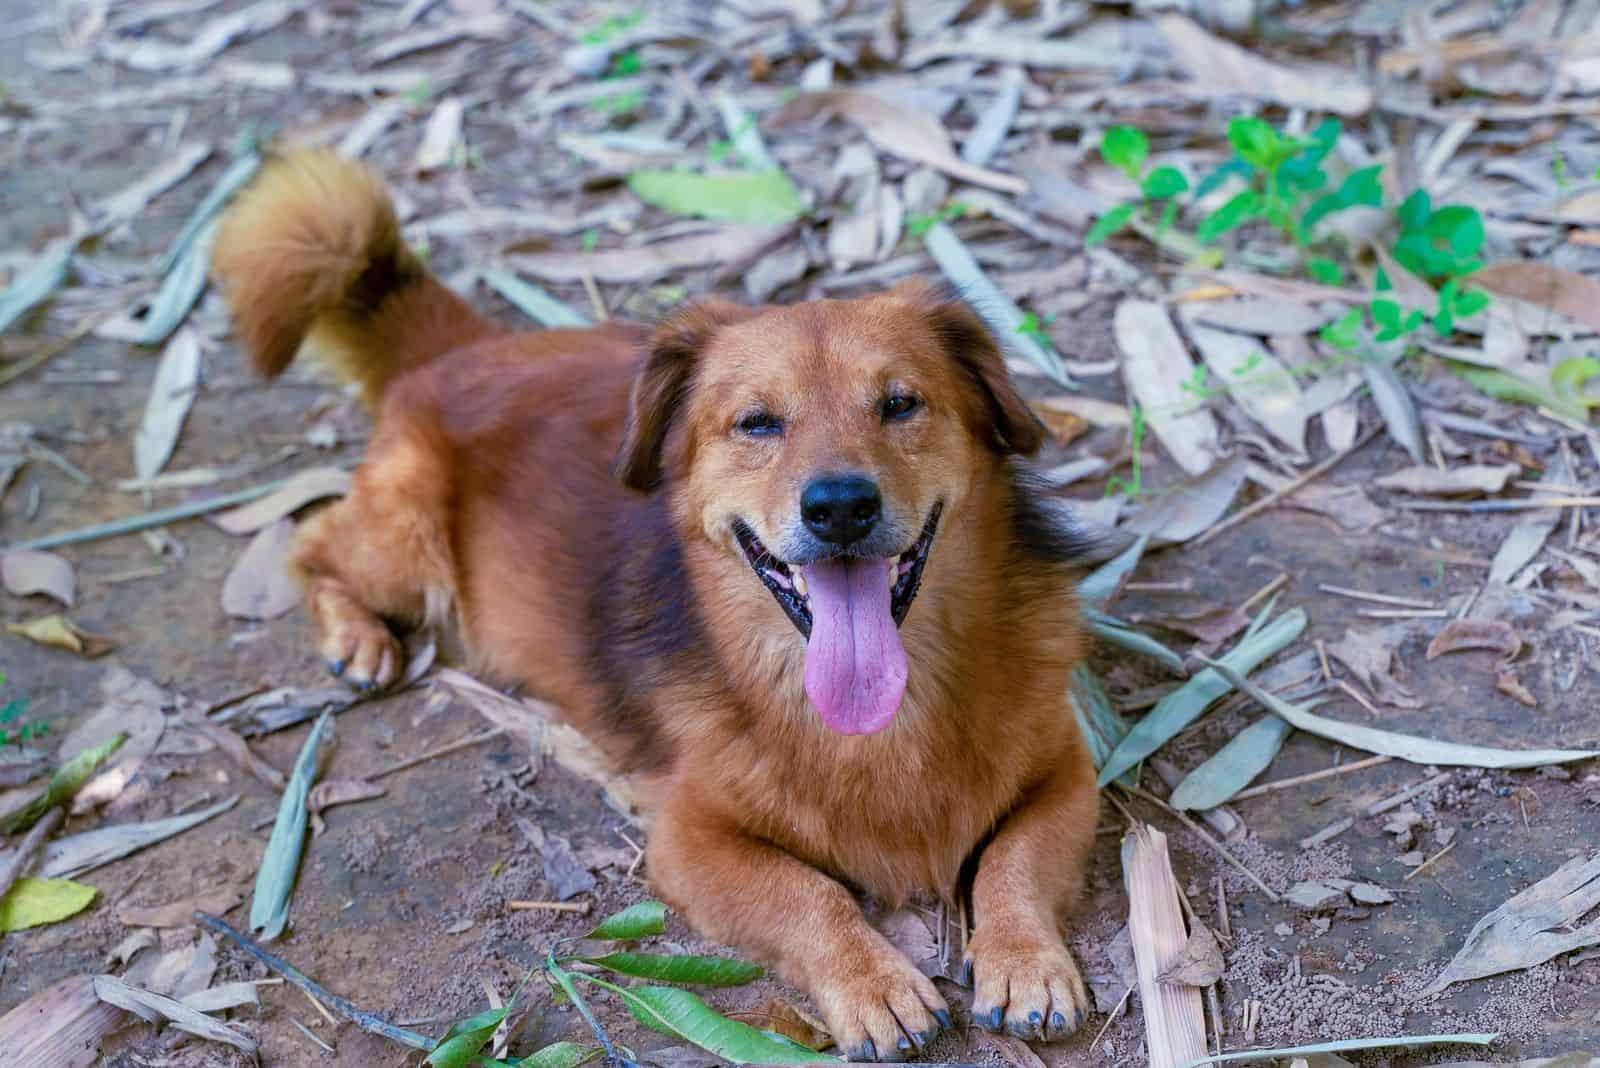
pixel 662 385
pixel 1012 426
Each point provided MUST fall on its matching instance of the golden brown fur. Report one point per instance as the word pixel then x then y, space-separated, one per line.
pixel 489 500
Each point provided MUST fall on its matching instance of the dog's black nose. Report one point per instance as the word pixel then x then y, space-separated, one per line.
pixel 841 509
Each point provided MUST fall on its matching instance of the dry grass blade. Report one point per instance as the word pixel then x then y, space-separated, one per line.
pixel 1155 363
pixel 79 853
pixel 269 907
pixel 132 200
pixel 48 273
pixel 171 395
pixel 1174 1014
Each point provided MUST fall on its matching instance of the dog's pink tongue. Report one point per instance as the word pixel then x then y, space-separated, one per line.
pixel 855 664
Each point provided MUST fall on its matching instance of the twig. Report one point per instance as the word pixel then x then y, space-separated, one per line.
pixel 595 299
pixel 1204 837
pixel 1279 494
pixel 580 907
pixel 1126 994
pixel 1356 696
pixel 1425 865
pixel 1521 504
pixel 304 1030
pixel 368 1022
pixel 1376 598
pixel 1378 808
pixel 1310 776
pixel 50 352
pixel 1264 592
pixel 321 1009
pixel 443 750
pixel 23 856
pixel 1332 830
pixel 1403 613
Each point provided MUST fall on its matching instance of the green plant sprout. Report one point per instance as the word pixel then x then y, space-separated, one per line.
pixel 1128 150
pixel 612 26
pixel 918 224
pixel 1032 326
pixel 14 730
pixel 1132 487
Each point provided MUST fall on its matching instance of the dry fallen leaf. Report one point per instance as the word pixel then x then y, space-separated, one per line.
pixel 133 707
pixel 1222 67
pixel 441 138
pixel 260 584
pixel 153 1008
pixel 1065 427
pixel 1510 683
pixel 171 395
pixel 29 571
pixel 1193 506
pixel 908 931
pixel 1532 927
pixel 905 132
pixel 1155 364
pixel 1467 481
pixel 790 1021
pixel 1493 634
pixel 1258 383
pixel 1369 654
pixel 60 632
pixel 332 792
pixel 1567 292
pixel 179 913
pixel 298 491
pixel 1200 962
pixel 644 263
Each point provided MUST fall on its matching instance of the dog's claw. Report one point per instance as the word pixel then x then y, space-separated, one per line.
pixel 865 1052
pixel 336 668
pixel 943 1016
pixel 1058 1024
pixel 964 977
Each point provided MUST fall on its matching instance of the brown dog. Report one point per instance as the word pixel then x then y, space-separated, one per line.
pixel 824 616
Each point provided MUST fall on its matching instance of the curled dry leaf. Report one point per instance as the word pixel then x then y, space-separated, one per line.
pixel 300 490
pixel 153 1007
pixel 908 931
pixel 1200 963
pixel 325 795
pixel 1369 654
pixel 905 132
pixel 60 632
pixel 261 585
pixel 1467 481
pixel 1255 379
pixel 1155 364
pixel 1493 634
pixel 29 571
pixel 781 1017
pixel 1220 66
pixel 1510 683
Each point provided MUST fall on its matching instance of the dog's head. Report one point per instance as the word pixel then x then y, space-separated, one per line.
pixel 822 445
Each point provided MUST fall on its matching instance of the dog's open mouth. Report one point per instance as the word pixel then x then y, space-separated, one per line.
pixel 849 609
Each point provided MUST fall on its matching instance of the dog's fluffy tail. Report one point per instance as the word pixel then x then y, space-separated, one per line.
pixel 313 248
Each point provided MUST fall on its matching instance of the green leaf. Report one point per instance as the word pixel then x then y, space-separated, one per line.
pixel 1238 209
pixel 632 923
pixel 1470 302
pixel 1416 210
pixel 460 1045
pixel 1257 143
pixel 1108 224
pixel 1111 629
pixel 1233 168
pixel 1572 374
pixel 555 1055
pixel 180 288
pixel 1245 756
pixel 1401 746
pixel 269 905
pixel 532 301
pixel 756 197
pixel 35 902
pixel 1386 313
pixel 1344 333
pixel 668 968
pixel 679 1013
pixel 1458 226
pixel 1126 148
pixel 36 282
pixel 1184 705
pixel 1363 187
pixel 1169 215
pixel 1164 182
pixel 65 783
pixel 1325 271
pixel 1502 385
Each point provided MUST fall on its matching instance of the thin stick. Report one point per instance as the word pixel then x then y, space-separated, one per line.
pixel 315 1004
pixel 580 907
pixel 1332 830
pixel 1310 776
pixel 1264 592
pixel 1376 598
pixel 1224 922
pixel 1322 657
pixel 443 750
pixel 1355 695
pixel 1403 613
pixel 50 352
pixel 304 1030
pixel 1425 865
pixel 590 287
pixel 1378 808
pixel 1523 504
pixel 1279 494
pixel 368 1022
pixel 1126 994
pixel 1204 837
pixel 23 857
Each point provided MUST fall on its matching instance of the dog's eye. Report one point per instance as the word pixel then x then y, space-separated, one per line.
pixel 899 406
pixel 760 424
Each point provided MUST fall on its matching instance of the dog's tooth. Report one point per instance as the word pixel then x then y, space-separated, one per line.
pixel 800 582
pixel 894 573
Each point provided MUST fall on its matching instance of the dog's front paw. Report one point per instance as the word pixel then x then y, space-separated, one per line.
pixel 1025 984
pixel 886 1012
pixel 356 645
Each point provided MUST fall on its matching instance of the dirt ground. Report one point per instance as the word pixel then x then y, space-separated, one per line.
pixel 400 905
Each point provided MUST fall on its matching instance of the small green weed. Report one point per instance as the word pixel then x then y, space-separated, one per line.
pixel 613 26
pixel 1128 150
pixel 1133 486
pixel 14 729
pixel 917 224
pixel 1032 326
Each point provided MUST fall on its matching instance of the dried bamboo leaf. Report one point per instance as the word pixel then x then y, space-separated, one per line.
pixel 1401 746
pixel 47 274
pixel 1263 316
pixel 151 53
pixel 1224 66
pixel 154 1007
pixel 129 202
pixel 1468 480
pixel 1192 507
pixel 26 572
pixel 532 301
pixel 1232 768
pixel 260 585
pixel 1347 1045
pixel 1155 364
pixel 995 121
pixel 269 906
pixel 222 997
pixel 441 137
pixel 1561 290
pixel 180 289
pixel 648 262
pixel 79 853
pixel 1395 405
pixel 990 302
pixel 295 493
pixel 171 395
pixel 1174 1015
pixel 1257 382
pixel 1532 927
